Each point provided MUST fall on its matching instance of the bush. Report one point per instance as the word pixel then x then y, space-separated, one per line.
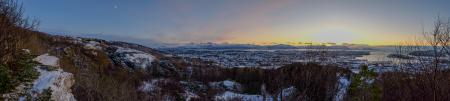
pixel 6 79
pixel 23 71
pixel 46 95
pixel 362 87
pixel 27 72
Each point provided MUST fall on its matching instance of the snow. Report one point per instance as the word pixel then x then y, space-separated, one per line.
pixel 92 45
pixel 344 83
pixel 227 85
pixel 288 91
pixel 189 72
pixel 26 50
pixel 283 94
pixel 17 92
pixel 230 84
pixel 48 60
pixel 231 96
pixel 138 58
pixel 76 40
pixel 58 81
pixel 355 70
pixel 150 86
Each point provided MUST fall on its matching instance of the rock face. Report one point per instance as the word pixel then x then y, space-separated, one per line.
pixel 132 58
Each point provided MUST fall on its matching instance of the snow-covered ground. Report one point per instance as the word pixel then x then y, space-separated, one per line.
pixel 138 58
pixel 230 96
pixel 58 81
pixel 149 86
pixel 48 60
pixel 227 85
pixel 343 85
pixel 288 91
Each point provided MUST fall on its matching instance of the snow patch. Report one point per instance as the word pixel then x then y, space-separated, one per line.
pixel 150 86
pixel 355 70
pixel 231 96
pixel 26 51
pixel 93 45
pixel 48 60
pixel 58 81
pixel 227 85
pixel 76 40
pixel 288 91
pixel 343 85
pixel 137 58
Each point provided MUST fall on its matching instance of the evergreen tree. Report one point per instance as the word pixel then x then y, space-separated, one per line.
pixel 362 87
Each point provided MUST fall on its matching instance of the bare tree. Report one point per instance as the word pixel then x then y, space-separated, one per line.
pixel 426 77
pixel 13 26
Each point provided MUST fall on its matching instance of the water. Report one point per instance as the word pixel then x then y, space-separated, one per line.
pixel 376 56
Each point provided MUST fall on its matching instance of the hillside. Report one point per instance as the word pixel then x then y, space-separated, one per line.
pixel 94 69
pixel 37 66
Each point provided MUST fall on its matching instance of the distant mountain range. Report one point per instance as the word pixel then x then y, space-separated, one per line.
pixel 252 46
pixel 208 45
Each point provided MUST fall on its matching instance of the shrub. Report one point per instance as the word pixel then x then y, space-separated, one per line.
pixel 23 71
pixel 6 79
pixel 46 95
pixel 362 87
pixel 26 72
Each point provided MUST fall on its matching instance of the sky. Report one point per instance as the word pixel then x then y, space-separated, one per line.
pixel 373 22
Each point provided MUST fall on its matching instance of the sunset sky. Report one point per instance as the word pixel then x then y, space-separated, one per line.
pixel 374 22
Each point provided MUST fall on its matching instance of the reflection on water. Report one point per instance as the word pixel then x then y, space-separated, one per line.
pixel 376 56
pixel 382 57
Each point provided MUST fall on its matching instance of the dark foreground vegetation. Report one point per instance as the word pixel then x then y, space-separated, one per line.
pixel 314 82
pixel 98 77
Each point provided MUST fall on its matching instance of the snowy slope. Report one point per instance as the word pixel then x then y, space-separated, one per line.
pixel 58 81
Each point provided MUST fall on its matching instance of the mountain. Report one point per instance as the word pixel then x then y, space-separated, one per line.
pixel 221 46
